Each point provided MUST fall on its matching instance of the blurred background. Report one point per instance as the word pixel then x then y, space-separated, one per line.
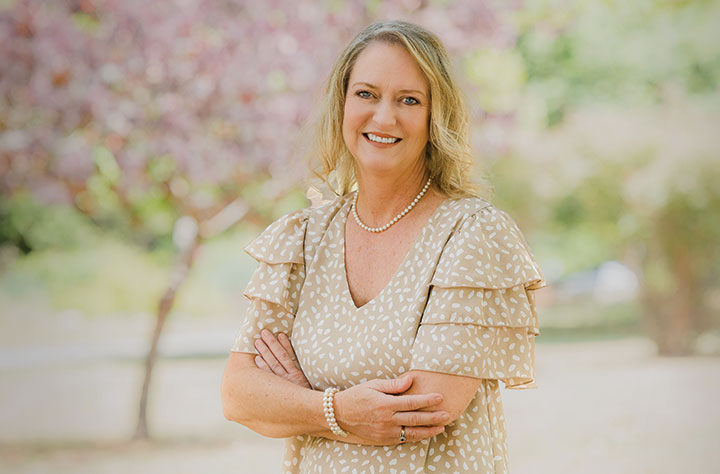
pixel 144 144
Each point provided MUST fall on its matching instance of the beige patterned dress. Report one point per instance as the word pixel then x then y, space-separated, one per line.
pixel 460 303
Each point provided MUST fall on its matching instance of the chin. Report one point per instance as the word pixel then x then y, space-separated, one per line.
pixel 376 164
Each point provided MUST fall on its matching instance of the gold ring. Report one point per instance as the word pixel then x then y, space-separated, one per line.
pixel 402 434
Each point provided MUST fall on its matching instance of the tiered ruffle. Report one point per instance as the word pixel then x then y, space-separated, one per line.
pixel 274 289
pixel 480 320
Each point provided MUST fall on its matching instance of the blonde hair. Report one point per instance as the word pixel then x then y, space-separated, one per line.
pixel 449 158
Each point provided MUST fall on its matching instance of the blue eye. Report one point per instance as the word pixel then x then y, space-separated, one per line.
pixel 364 94
pixel 410 101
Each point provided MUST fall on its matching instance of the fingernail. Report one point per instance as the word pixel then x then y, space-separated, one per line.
pixel 445 416
pixel 437 398
pixel 265 333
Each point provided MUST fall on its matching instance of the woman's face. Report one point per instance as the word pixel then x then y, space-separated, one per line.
pixel 387 107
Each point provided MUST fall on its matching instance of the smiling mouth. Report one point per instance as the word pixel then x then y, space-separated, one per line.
pixel 376 139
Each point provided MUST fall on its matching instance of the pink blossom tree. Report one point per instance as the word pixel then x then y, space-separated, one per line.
pixel 166 118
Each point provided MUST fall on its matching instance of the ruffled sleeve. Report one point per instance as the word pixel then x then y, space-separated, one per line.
pixel 480 319
pixel 274 288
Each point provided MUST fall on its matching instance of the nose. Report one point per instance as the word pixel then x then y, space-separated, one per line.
pixel 384 115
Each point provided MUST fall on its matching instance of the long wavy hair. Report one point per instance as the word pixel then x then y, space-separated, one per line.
pixel 449 158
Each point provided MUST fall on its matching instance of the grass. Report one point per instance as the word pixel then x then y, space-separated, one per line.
pixel 113 276
pixel 589 320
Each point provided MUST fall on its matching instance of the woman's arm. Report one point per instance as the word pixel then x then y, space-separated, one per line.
pixel 268 404
pixel 278 357
pixel 275 407
pixel 457 390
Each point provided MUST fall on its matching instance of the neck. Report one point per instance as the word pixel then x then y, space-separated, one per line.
pixel 381 196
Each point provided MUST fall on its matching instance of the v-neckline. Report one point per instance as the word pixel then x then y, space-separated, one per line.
pixel 343 268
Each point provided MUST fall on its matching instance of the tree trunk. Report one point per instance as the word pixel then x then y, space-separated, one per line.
pixel 670 315
pixel 189 240
pixel 676 335
pixel 179 274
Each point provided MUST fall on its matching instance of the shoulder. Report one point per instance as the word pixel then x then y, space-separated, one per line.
pixel 486 249
pixel 469 205
pixel 327 210
pixel 319 219
pixel 474 208
pixel 479 218
pixel 286 239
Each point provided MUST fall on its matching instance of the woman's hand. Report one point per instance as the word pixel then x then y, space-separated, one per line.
pixel 278 357
pixel 375 411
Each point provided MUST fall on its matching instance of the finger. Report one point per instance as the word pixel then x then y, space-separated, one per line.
pixel 287 345
pixel 391 386
pixel 296 370
pixel 278 350
pixel 269 358
pixel 417 433
pixel 421 418
pixel 415 402
pixel 260 364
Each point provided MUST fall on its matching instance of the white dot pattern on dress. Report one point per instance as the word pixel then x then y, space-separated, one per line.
pixel 460 303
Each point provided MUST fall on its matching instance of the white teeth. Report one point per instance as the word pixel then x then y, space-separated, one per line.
pixel 377 139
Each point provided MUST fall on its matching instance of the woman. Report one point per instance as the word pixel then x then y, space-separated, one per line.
pixel 410 295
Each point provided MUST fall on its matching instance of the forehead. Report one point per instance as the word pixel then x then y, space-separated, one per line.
pixel 388 65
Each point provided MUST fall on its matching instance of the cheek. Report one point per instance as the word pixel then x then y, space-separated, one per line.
pixel 349 119
pixel 421 127
pixel 352 114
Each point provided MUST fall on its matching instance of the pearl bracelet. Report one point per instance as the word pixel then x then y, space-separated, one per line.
pixel 328 399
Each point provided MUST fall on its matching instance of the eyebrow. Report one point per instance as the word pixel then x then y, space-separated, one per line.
pixel 404 91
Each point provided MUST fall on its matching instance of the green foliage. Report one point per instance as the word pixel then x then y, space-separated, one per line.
pixel 155 216
pixel 72 263
pixel 106 165
pixel 112 275
pixel 7 4
pixel 85 23
pixel 107 276
pixel 266 200
pixel 500 77
pixel 629 52
pixel 29 225
pixel 637 185
pixel 221 271
pixel 161 168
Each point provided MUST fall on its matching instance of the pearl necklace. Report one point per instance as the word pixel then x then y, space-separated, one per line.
pixel 394 219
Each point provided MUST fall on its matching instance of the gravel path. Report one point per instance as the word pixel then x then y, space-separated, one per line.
pixel 600 407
